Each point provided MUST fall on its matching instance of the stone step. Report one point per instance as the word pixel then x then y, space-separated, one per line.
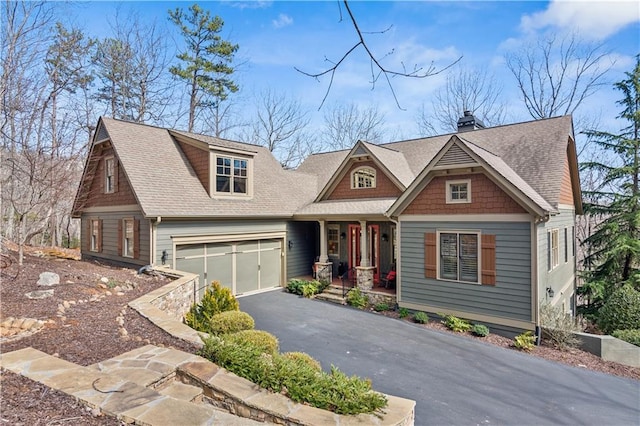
pixel 181 391
pixel 115 395
pixel 331 298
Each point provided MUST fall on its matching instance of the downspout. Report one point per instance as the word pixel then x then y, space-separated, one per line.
pixel 535 260
pixel 154 239
pixel 398 261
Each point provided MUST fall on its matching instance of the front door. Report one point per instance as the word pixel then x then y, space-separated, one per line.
pixel 354 248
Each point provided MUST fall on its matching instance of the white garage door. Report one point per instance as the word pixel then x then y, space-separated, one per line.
pixel 242 266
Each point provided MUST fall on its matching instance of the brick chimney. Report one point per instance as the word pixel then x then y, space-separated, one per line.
pixel 469 122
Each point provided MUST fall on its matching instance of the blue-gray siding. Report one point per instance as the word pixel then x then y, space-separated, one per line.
pixel 509 298
pixel 110 238
pixel 565 271
pixel 304 245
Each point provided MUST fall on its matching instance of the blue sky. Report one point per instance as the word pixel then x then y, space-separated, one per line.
pixel 274 37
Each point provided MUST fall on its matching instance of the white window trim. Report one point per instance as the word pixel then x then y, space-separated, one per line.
pixel 106 176
pixel 124 237
pixel 449 183
pixel 555 259
pixel 374 178
pixel 214 175
pixel 459 231
pixel 335 227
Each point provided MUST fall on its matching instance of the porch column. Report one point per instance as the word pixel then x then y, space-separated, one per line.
pixel 364 272
pixel 324 258
pixel 364 240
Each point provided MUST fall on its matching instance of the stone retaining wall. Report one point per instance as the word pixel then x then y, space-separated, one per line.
pixel 176 298
pixel 376 298
pixel 610 349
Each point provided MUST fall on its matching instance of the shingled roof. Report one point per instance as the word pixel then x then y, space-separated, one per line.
pixel 532 152
pixel 165 184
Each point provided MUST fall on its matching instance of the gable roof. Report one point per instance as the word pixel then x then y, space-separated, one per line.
pixel 165 184
pixel 533 152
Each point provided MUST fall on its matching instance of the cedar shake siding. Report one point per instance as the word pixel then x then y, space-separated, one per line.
pixel 566 190
pixel 111 238
pixel 384 187
pixel 199 159
pixel 122 194
pixel 486 198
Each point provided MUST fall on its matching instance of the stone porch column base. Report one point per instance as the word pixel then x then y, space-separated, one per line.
pixel 324 271
pixel 364 277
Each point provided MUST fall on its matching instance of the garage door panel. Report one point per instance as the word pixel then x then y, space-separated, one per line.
pixel 246 271
pixel 270 268
pixel 194 266
pixel 189 250
pixel 220 268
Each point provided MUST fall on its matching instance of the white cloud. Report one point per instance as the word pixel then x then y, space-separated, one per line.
pixel 255 4
pixel 596 19
pixel 282 21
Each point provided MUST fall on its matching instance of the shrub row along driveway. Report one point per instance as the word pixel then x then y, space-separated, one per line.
pixel 454 380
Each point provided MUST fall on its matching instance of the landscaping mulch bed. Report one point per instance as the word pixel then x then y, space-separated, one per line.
pixel 88 331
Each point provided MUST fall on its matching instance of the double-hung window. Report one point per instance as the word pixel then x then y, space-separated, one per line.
pixel 95 235
pixel 231 175
pixel 459 254
pixel 128 238
pixel 553 241
pixel 109 175
pixel 333 240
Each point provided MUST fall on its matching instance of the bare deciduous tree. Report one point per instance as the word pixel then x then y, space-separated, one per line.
pixel 556 74
pixel 279 125
pixel 465 90
pixel 344 125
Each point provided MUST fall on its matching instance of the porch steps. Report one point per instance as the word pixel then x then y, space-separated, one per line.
pixel 332 294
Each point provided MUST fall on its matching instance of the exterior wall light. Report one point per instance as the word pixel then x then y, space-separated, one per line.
pixel 550 292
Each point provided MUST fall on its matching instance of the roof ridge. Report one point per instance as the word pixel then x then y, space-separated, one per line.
pixel 194 134
pixel 478 146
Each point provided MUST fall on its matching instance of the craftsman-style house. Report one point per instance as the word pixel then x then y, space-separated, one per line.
pixel 479 223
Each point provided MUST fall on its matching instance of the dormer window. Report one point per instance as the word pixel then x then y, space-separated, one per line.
pixel 231 175
pixel 458 191
pixel 363 177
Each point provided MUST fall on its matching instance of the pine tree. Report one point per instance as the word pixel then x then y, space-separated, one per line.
pixel 206 60
pixel 613 249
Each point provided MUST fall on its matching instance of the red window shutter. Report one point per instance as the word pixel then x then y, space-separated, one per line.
pixel 120 237
pixel 488 259
pixel 430 255
pixel 136 239
pixel 100 235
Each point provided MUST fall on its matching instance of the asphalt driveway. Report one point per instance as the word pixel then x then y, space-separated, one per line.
pixel 454 380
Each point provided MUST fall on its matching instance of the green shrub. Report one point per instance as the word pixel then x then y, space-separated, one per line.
pixel 305 288
pixel 230 322
pixel 559 327
pixel 356 299
pixel 631 336
pixel 456 324
pixel 421 318
pixel 621 311
pixel 480 330
pixel 295 375
pixel 403 312
pixel 216 299
pixel 303 358
pixel 381 307
pixel 265 342
pixel 525 341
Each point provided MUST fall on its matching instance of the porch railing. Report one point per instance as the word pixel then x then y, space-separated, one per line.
pixel 348 280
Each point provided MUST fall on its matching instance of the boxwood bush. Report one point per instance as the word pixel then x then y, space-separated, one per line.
pixel 295 375
pixel 263 341
pixel 480 330
pixel 421 318
pixel 216 299
pixel 631 336
pixel 230 322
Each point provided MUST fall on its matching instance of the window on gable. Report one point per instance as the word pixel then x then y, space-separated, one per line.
pixel 553 252
pixel 231 175
pixel 363 177
pixel 459 256
pixel 109 175
pixel 458 191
